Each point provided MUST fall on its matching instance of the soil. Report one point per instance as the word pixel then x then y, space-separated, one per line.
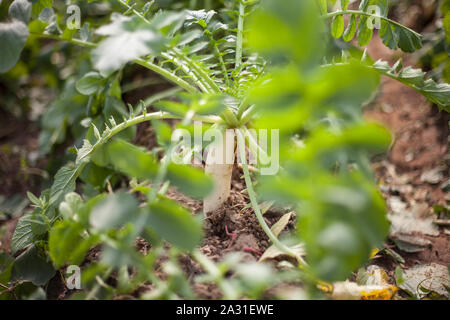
pixel 420 144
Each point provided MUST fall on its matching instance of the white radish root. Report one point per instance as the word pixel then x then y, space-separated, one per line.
pixel 219 166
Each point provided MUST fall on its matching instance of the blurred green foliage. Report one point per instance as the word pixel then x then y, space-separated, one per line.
pixel 280 70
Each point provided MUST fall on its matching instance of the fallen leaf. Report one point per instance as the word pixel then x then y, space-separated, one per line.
pixel 273 253
pixel 412 221
pixel 432 176
pixel 410 243
pixel 281 224
pixel 352 291
pixel 420 280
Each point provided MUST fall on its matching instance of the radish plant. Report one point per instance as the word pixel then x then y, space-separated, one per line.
pixel 246 65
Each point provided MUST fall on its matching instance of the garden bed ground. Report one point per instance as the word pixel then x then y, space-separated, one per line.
pixel 412 175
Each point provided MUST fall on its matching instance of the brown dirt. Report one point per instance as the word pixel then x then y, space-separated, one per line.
pixel 18 139
pixel 420 143
pixel 5 240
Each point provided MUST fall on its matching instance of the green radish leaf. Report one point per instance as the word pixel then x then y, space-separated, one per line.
pixel 131 160
pixel 127 38
pixel 40 223
pixel 364 33
pixel 344 4
pixel 83 153
pixel 13 36
pixel 408 41
pixel 20 10
pixel 32 266
pixel 351 29
pixel 23 234
pixel 114 211
pixel 90 83
pixel 337 26
pixel 71 205
pixel 323 6
pixel 39 5
pixel 96 176
pixel 189 180
pixel 163 132
pixel 64 183
pixel 175 224
pixel 389 35
pixel 438 93
pixel 173 107
pixel 6 264
pixel 167 22
pixel 66 243
pixel 363 5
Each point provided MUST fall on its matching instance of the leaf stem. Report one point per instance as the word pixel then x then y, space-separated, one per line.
pixel 254 201
pixel 130 8
pixel 167 74
pixel 147 64
pixel 240 34
pixel 358 12
pixel 201 72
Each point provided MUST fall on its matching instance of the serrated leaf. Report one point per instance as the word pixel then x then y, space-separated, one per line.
pixel 32 266
pixel 83 153
pixel 64 182
pixel 90 83
pixel 35 200
pixel 23 235
pixel 168 22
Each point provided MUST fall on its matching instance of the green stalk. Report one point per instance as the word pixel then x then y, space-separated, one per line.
pixel 161 95
pixel 199 82
pixel 147 64
pixel 254 201
pixel 222 65
pixel 139 119
pixel 141 84
pixel 73 41
pixel 167 74
pixel 240 34
pixel 201 73
pixel 135 12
